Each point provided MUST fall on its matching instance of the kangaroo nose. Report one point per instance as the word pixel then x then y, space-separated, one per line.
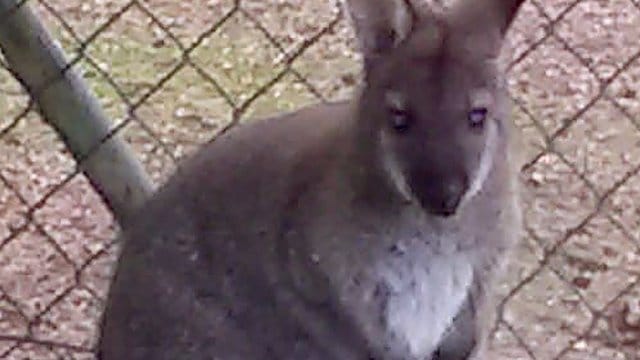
pixel 451 197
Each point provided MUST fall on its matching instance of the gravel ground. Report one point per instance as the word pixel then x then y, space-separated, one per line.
pixel 572 287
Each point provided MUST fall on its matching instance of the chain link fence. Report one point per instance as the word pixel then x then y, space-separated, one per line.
pixel 171 75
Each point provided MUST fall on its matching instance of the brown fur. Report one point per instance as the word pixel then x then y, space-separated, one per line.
pixel 328 233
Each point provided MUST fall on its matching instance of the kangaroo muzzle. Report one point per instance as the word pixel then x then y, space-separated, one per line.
pixel 442 195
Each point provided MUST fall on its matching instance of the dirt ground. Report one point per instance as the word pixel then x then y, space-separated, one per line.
pixel 571 291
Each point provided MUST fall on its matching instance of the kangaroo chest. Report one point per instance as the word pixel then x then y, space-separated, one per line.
pixel 423 293
pixel 401 277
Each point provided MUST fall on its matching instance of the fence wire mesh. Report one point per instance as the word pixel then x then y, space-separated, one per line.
pixel 171 75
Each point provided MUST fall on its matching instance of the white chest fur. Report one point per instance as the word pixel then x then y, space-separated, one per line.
pixel 425 294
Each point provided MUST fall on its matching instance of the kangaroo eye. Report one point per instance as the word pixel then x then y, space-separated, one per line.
pixel 477 117
pixel 399 119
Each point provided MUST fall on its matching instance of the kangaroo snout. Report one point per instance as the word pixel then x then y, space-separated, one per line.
pixel 446 201
pixel 442 195
pixel 451 197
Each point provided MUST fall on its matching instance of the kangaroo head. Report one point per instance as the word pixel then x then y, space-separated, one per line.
pixel 433 98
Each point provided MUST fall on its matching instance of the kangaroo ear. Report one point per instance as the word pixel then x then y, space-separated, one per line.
pixel 380 25
pixel 498 14
pixel 484 23
pixel 506 11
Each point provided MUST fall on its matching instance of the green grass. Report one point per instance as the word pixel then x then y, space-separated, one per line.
pixel 178 102
pixel 240 66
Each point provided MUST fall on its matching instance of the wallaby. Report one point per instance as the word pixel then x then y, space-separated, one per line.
pixel 367 229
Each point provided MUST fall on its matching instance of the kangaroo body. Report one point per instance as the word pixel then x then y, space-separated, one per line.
pixel 305 236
